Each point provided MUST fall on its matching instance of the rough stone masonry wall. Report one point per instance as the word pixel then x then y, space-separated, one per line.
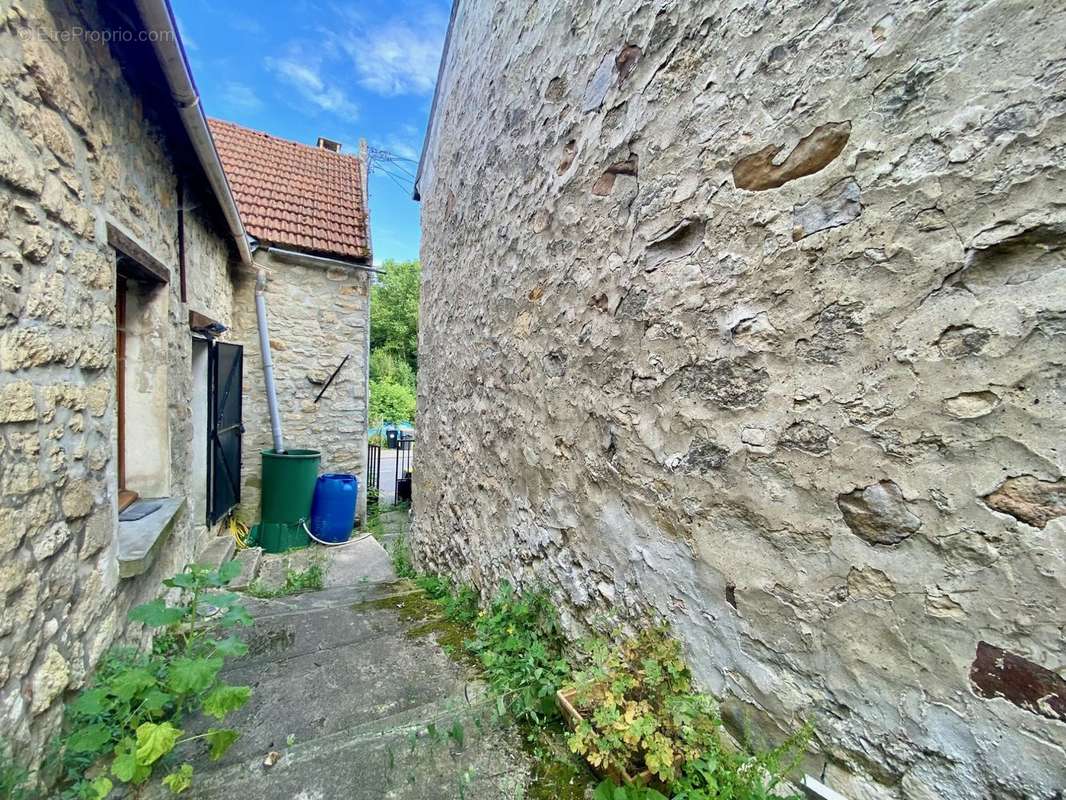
pixel 75 151
pixel 317 315
pixel 753 314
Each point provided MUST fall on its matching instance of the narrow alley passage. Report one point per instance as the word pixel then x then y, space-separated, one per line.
pixel 354 697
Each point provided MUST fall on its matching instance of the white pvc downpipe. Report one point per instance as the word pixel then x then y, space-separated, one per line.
pixel 268 363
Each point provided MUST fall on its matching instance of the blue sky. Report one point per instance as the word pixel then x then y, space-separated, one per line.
pixel 343 70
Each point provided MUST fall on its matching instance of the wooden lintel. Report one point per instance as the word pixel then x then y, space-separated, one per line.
pixel 202 322
pixel 134 260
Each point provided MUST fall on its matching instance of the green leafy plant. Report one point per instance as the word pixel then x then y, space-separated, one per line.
pixel 607 790
pixel 459 603
pixel 14 780
pixel 392 402
pixel 640 712
pixel 394 317
pixel 129 720
pixel 722 773
pixel 522 650
pixel 401 559
pixel 639 709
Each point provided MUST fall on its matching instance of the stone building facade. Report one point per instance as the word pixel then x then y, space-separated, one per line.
pixel 90 165
pixel 751 315
pixel 307 207
pixel 318 317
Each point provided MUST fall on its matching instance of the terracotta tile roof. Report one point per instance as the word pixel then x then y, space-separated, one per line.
pixel 294 195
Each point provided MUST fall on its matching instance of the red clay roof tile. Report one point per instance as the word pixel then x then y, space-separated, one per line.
pixel 295 195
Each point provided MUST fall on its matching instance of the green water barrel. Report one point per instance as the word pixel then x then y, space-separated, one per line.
pixel 288 486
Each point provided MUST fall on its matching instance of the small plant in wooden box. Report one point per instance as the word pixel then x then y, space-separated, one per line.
pixel 633 713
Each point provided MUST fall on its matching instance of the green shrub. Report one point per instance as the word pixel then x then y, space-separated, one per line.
pixel 522 650
pixel 387 365
pixel 640 711
pixel 460 603
pixel 394 311
pixel 401 559
pixel 129 719
pixel 391 402
pixel 639 708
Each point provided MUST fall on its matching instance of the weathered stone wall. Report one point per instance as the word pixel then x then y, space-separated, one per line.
pixel 76 150
pixel 317 316
pixel 753 315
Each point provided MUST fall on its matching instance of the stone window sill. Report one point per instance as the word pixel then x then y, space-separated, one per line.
pixel 139 541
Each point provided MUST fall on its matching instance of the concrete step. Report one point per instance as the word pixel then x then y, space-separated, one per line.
pixel 353 691
pixel 448 750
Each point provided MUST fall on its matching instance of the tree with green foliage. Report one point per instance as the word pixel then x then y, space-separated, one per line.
pixel 394 342
pixel 394 311
pixel 391 402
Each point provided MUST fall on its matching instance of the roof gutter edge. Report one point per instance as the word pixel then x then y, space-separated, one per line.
pixel 308 259
pixel 158 17
pixel 431 125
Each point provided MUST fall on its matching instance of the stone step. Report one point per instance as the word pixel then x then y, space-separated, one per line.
pixel 249 559
pixel 218 551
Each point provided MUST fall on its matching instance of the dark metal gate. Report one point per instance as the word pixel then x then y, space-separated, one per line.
pixel 373 473
pixel 403 470
pixel 225 364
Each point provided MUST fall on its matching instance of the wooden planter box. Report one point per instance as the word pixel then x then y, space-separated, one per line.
pixel 564 698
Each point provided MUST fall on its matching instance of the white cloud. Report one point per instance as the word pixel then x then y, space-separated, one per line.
pixel 401 148
pixel 304 74
pixel 241 96
pixel 398 56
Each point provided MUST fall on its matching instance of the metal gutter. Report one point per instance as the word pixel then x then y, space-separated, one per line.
pixel 308 260
pixel 159 19
pixel 436 94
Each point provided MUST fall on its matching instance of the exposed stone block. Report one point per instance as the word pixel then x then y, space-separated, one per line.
pixel 959 341
pixel 806 436
pixel 814 152
pixel 726 382
pixel 703 456
pixel 879 514
pixel 835 330
pixel 46 544
pixel 599 84
pixel 971 405
pixel 17 402
pixel 1027 498
pixel 838 205
pixel 77 499
pixel 18 166
pixel 870 583
pixel 49 680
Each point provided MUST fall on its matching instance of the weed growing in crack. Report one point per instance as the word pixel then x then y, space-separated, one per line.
pixel 296 581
